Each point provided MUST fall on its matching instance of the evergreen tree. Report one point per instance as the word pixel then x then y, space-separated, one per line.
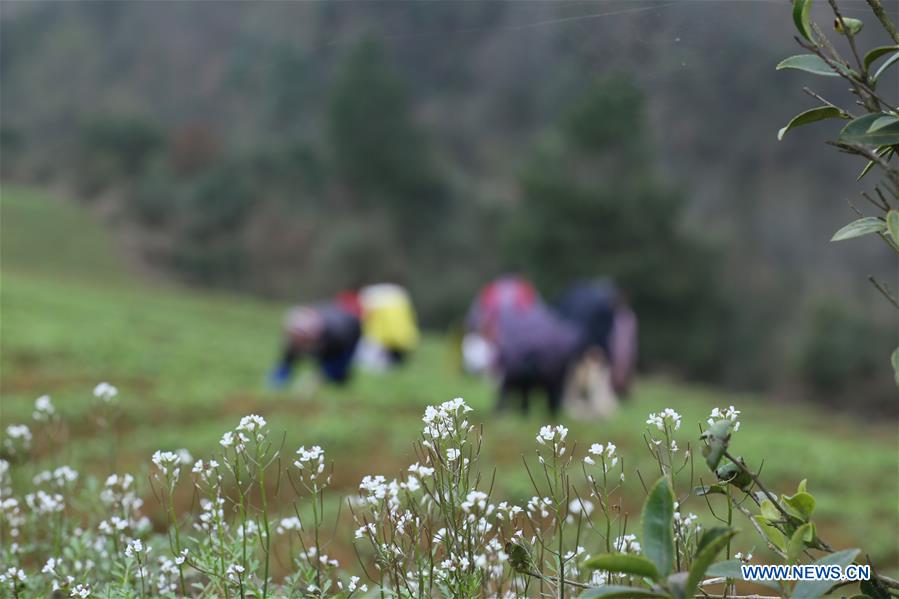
pixel 593 206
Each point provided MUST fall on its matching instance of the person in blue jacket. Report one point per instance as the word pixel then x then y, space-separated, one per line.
pixel 329 332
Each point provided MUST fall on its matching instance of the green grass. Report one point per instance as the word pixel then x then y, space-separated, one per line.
pixel 190 364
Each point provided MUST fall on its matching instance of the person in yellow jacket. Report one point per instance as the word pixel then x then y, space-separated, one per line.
pixel 388 322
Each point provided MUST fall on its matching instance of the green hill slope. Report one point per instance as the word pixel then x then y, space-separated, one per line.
pixel 190 364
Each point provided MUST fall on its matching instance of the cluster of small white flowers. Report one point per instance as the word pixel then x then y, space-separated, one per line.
pixel 627 544
pixel 452 564
pixel 169 464
pixel 537 505
pixel 60 477
pixel 43 409
pixel 212 514
pixel 552 434
pixel 368 530
pixel 81 591
pixel 18 438
pixel 45 503
pixel 11 512
pixel 312 555
pixel 743 558
pixel 605 453
pixel 374 488
pixel 167 578
pixel 13 575
pixel 120 497
pixel 288 524
pixel 207 471
pixel 666 416
pixel 135 548
pixel 59 580
pixel 443 421
pixel 311 463
pixel 731 413
pixel 250 529
pixel 421 471
pixel 475 501
pixel 105 392
pixel 234 572
pixel 690 521
pixel 252 424
pixel 504 511
pixel 353 585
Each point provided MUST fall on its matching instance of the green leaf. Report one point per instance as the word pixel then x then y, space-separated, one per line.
pixel 876 53
pixel 893 224
pixel 875 129
pixel 800 488
pixel 711 535
pixel 809 63
pixel 860 227
pixel 884 152
pixel 613 591
pixel 710 545
pixel 715 489
pixel 657 522
pixel 734 474
pixel 728 569
pixel 812 589
pixel 775 537
pixel 887 63
pixel 800 18
pixel 717 436
pixel 769 510
pixel 801 505
pixel 803 536
pixel 623 563
pixel 848 26
pixel 519 557
pixel 810 116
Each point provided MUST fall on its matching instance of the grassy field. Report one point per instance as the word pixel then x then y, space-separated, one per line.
pixel 189 364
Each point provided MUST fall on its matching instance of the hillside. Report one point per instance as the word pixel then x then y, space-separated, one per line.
pixel 284 149
pixel 189 365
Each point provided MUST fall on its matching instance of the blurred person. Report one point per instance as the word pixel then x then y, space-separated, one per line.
pixel 600 309
pixel 536 351
pixel 329 331
pixel 508 294
pixel 389 326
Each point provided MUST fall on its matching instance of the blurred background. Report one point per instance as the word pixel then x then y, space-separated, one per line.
pixel 175 174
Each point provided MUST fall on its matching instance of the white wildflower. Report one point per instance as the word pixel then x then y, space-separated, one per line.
pixel 105 392
pixel 731 413
pixel 43 409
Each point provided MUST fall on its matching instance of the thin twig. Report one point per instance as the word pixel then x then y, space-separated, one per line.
pixel 883 289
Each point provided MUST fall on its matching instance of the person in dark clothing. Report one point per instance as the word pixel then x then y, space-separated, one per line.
pixel 536 351
pixel 600 310
pixel 328 331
